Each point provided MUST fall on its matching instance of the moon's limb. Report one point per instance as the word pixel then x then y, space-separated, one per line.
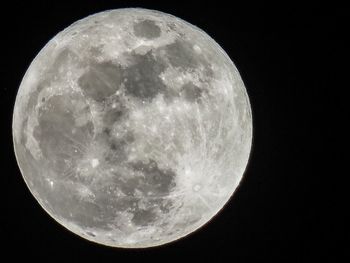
pixel 132 128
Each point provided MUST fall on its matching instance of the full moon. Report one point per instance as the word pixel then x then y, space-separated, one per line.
pixel 132 128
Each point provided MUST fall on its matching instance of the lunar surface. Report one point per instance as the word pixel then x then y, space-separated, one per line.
pixel 132 128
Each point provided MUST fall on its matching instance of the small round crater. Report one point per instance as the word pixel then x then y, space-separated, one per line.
pixel 196 187
pixel 91 234
pixel 106 131
pixel 95 162
pixel 114 146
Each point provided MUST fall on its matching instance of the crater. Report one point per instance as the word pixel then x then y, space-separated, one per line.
pixel 142 78
pixel 147 29
pixel 91 233
pixel 101 80
pixel 165 206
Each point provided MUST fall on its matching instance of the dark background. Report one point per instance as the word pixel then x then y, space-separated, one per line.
pixel 291 58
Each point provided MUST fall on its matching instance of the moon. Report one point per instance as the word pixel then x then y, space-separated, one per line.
pixel 132 128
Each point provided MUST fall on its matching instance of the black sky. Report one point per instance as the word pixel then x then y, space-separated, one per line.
pixel 291 60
